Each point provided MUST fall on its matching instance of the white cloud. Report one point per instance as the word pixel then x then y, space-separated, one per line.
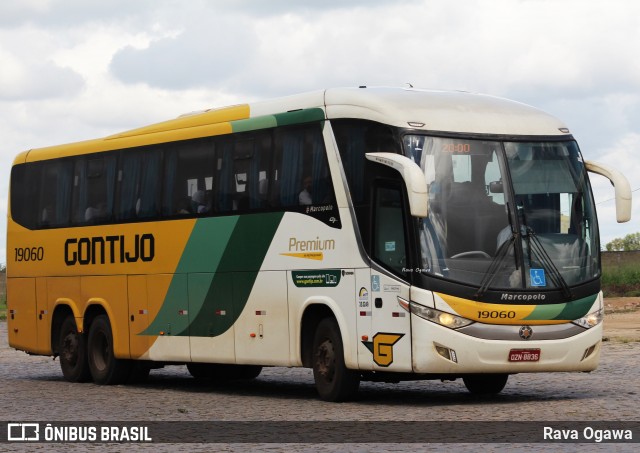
pixel 28 71
pixel 197 57
pixel 560 49
pixel 622 156
pixel 62 14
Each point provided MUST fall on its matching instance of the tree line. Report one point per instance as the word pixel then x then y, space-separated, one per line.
pixel 626 244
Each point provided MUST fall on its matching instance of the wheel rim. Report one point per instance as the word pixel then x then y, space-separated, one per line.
pixel 325 360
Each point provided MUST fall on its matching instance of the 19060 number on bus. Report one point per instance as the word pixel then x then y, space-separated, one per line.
pixel 29 254
pixel 495 314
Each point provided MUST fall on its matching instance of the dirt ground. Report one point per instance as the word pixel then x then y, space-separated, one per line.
pixel 622 319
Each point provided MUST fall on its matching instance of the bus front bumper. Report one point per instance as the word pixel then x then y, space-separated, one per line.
pixel 437 349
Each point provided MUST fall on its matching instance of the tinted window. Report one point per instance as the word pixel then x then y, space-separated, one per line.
pixel 139 185
pixel 281 168
pixel 189 170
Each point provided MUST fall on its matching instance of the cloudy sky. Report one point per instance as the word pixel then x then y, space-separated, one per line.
pixel 78 69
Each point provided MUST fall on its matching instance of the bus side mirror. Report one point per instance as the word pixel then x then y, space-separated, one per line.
pixel 621 186
pixel 413 178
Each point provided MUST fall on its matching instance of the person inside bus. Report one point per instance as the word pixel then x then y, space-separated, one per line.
pixel 198 203
pixel 304 198
pixel 95 214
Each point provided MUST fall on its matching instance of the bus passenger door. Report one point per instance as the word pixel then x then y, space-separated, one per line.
pixel 390 341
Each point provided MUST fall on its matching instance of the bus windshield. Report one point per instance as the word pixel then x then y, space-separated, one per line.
pixel 506 215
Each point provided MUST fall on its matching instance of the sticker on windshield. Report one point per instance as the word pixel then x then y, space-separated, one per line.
pixel 537 277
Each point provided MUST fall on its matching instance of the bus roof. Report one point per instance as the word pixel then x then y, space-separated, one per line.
pixel 446 111
pixel 424 110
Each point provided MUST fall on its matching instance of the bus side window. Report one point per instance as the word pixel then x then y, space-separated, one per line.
pixel 94 189
pixel 389 246
pixel 243 172
pixel 189 178
pixel 302 172
pixel 25 186
pixel 55 196
pixel 139 184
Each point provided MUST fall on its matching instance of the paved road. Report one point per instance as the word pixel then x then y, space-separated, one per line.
pixel 32 388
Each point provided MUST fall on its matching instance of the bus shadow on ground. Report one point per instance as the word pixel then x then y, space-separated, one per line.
pixel 412 393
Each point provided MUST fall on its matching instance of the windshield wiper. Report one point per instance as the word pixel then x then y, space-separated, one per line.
pixel 556 277
pixel 496 263
pixel 498 260
pixel 534 244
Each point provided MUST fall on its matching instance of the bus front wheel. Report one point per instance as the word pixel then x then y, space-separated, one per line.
pixel 485 384
pixel 105 368
pixel 334 381
pixel 72 350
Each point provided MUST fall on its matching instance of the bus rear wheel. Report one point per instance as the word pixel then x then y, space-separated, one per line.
pixel 334 381
pixel 105 368
pixel 485 384
pixel 72 350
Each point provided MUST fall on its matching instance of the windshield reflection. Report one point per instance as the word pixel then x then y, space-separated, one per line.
pixel 506 215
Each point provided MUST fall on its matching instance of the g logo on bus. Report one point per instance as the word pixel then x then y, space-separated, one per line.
pixel 382 347
pixel 525 332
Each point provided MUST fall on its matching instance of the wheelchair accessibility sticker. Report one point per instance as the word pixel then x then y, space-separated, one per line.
pixel 537 277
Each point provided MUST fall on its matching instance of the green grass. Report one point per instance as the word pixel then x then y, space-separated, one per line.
pixel 3 309
pixel 621 281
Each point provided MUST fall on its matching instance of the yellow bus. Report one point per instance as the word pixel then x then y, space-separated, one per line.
pixel 366 233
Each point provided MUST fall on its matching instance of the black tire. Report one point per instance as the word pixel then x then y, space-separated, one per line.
pixel 105 368
pixel 334 381
pixel 201 370
pixel 485 384
pixel 72 350
pixel 223 372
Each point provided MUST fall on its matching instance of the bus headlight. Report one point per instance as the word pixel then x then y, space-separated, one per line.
pixel 439 317
pixel 590 320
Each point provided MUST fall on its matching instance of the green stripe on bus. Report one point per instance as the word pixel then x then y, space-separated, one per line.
pixel 253 124
pixel 578 308
pixel 569 311
pixel 202 254
pixel 222 266
pixel 300 116
pixel 279 119
pixel 237 273
pixel 545 312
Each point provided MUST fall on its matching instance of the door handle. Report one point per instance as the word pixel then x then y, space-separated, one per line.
pixel 378 302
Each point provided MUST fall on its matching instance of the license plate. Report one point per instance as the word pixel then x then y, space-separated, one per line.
pixel 524 355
